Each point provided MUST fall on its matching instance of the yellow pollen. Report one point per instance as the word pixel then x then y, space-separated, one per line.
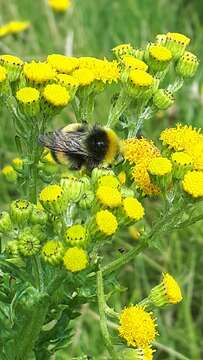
pixel 84 76
pixel 160 53
pixel 39 72
pixel 131 62
pixel 140 78
pixel 108 196
pixel 181 158
pixel 75 259
pixel 133 208
pixel 106 222
pixel 160 166
pixel 67 80
pixel 109 180
pixel 193 183
pixel 62 63
pixel 51 193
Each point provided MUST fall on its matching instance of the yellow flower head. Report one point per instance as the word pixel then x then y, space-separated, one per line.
pixel 84 76
pixel 106 71
pixel 56 95
pixel 133 208
pixel 106 222
pixel 140 78
pixel 137 326
pixel 122 49
pixel 62 63
pixel 172 289
pixel 10 59
pixel 122 177
pixel 160 53
pixel 193 183
pixel 8 170
pixel 142 179
pixel 59 5
pixel 108 196
pixel 4 30
pixel 178 38
pixel 15 27
pixel 76 235
pixel 39 72
pixel 132 63
pixel 181 158
pixel 51 193
pixel 67 80
pixel 75 259
pixel 3 74
pixel 17 163
pixel 109 180
pixel 52 252
pixel 181 137
pixel 160 166
pixel 27 95
pixel 139 150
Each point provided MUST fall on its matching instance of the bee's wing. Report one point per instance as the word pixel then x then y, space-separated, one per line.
pixel 67 142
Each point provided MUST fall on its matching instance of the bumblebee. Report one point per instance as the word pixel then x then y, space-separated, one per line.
pixel 81 145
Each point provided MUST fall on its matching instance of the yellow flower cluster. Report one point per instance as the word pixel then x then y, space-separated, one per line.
pixel 59 5
pixel 139 153
pixel 63 64
pixel 38 72
pixel 13 27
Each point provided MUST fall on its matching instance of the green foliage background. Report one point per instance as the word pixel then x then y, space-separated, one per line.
pixel 97 26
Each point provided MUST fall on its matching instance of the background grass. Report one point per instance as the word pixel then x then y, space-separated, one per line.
pixel 97 26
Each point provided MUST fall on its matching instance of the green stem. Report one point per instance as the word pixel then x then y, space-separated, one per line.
pixel 118 109
pixel 39 272
pixel 124 259
pixel 103 322
pixel 170 351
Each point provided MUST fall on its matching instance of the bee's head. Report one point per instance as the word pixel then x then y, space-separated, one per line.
pixel 97 143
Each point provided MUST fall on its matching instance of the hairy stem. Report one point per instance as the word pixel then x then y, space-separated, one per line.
pixel 103 321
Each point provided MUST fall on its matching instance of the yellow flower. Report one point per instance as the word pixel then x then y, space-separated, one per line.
pixel 132 63
pixel 181 158
pixel 133 208
pixel 27 95
pixel 76 235
pixel 172 289
pixel 193 183
pixel 56 95
pixel 178 38
pixel 138 150
pixel 51 193
pixel 181 137
pixel 167 292
pixel 15 27
pixel 62 63
pixel 106 71
pixel 9 173
pixel 108 196
pixel 17 163
pixel 140 78
pixel 75 259
pixel 52 252
pixel 160 53
pixel 59 5
pixel 160 166
pixel 39 72
pixel 4 30
pixel 109 180
pixel 84 76
pixel 106 222
pixel 122 49
pixel 67 80
pixel 3 74
pixel 10 59
pixel 137 326
pixel 142 179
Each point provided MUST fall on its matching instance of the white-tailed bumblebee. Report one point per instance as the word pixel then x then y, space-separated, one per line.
pixel 81 145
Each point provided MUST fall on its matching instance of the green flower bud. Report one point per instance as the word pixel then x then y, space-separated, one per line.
pixel 73 188
pixel 137 354
pixel 187 65
pixel 13 65
pixel 126 192
pixel 176 43
pixel 20 212
pixel 5 222
pixel 12 248
pixel 28 101
pixel 98 172
pixel 54 199
pixel 86 200
pixel 76 235
pixel 158 57
pixel 28 244
pixel 52 252
pixel 17 164
pixel 163 99
pixel 9 174
pixel 38 216
pixel 4 86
